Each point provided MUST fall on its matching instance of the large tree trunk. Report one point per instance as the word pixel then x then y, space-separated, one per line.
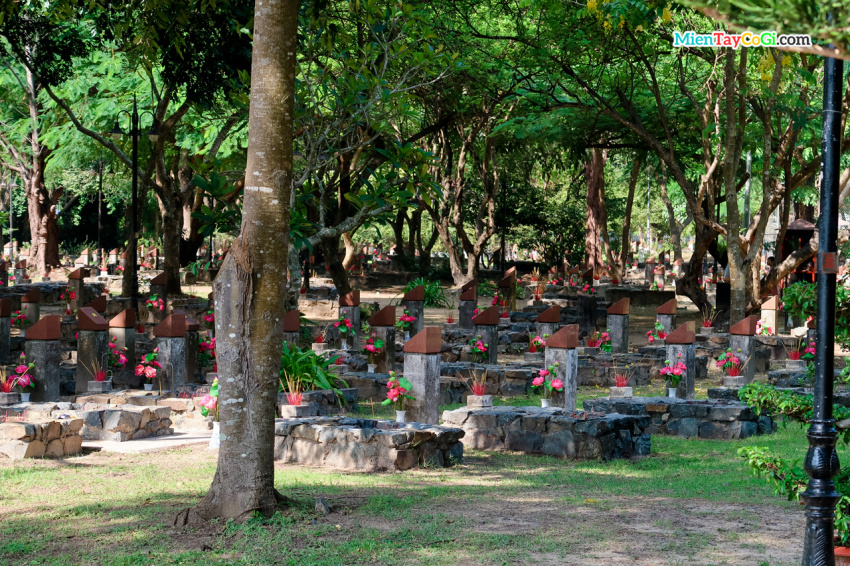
pixel 626 239
pixel 44 230
pixel 596 217
pixel 252 281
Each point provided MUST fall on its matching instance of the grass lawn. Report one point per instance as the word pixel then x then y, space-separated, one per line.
pixel 691 502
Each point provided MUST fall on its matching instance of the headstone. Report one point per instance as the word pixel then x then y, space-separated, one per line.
pixel 549 321
pixel 422 368
pixel 768 314
pixel 587 277
pixel 291 327
pixel 4 274
pixel 122 327
pixel 586 313
pixel 85 258
pixel 158 288
pixel 468 303
pixel 383 325
pixel 5 331
pixel 659 276
pixel 561 348
pixel 99 304
pixel 666 315
pixel 486 325
pixel 349 307
pixel 742 342
pixel 681 341
pixel 414 303
pixel 507 287
pixel 92 347
pixel 31 307
pixel 679 267
pixel 171 340
pixel 21 273
pixel 77 286
pixel 649 271
pixel 42 349
pixel 618 326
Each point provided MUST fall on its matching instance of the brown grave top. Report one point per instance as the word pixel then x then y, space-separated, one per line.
pixel 566 337
pixel 620 307
pixel 113 252
pixel 574 270
pixel 384 317
pixel 487 317
pixel 124 319
pixel 191 323
pixel 173 326
pixel 415 294
pixel 553 270
pixel 21 264
pixel 292 321
pixel 470 294
pixel 650 260
pixel 48 328
pixel 587 274
pixel 90 319
pixel 679 261
pixel 469 285
pixel 772 304
pixel 428 341
pixel 33 296
pixel 161 279
pixel 746 327
pixel 508 281
pixel 552 314
pixel 79 273
pixel 670 307
pixel 98 304
pixel 683 335
pixel 351 299
pixel 85 252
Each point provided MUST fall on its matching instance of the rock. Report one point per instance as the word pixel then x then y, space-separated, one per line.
pixel 643 445
pixel 55 449
pixel 121 421
pixel 177 404
pixel 72 444
pixel 683 427
pixel 17 431
pixel 322 507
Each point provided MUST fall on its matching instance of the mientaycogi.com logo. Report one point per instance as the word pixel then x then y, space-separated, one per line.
pixel 746 39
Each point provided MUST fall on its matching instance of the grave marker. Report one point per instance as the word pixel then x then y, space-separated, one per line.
pixel 487 326
pixel 92 347
pixel 422 368
pixel 414 302
pixel 561 348
pixel 468 303
pixel 618 326
pixel 681 341
pixel 383 325
pixel 42 349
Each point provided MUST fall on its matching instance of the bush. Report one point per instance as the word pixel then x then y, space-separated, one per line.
pixel 800 301
pixel 486 289
pixel 435 296
pixel 309 369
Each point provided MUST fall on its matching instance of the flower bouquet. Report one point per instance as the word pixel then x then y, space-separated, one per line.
pixel 345 327
pixel 657 334
pixel 673 373
pixel 730 362
pixel 547 382
pixel 601 340
pixel 206 354
pixel 373 348
pixel 397 394
pixel 117 356
pixel 210 316
pixel 762 329
pixel 536 343
pixel 405 323
pixel 209 406
pixel 588 289
pixel 478 349
pixel 68 295
pixel 148 367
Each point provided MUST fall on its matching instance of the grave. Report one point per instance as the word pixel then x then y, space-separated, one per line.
pixel 468 304
pixel 414 303
pixel 422 369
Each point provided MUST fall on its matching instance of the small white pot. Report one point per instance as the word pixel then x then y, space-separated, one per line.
pixel 671 392
pixel 545 403
pixel 400 416
pixel 103 273
pixel 215 439
pixel 370 368
pixel 25 397
pixel 23 333
pixel 406 335
pixel 148 386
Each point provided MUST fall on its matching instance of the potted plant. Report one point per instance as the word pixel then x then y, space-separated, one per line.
pixel 7 384
pixel 344 326
pixel 479 398
pixel 708 316
pixel 405 323
pixel 657 334
pixel 319 344
pixel 397 394
pixel 536 343
pixel 148 367
pixel 547 386
pixel 374 347
pixel 478 349
pixel 762 329
pixel 601 340
pixel 672 374
pixel 100 383
pixel 19 321
pixel 209 406
pixel 730 362
pixel 621 382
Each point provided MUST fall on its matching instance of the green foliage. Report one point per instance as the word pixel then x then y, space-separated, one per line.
pixel 800 301
pixel 435 296
pixel 226 213
pixel 486 288
pixel 310 370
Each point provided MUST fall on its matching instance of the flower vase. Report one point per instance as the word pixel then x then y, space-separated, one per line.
pixel 148 386
pixel 370 368
pixel 545 403
pixel 215 439
pixel 344 342
pixel 400 416
pixel 406 335
pixel 25 397
pixel 23 332
pixel 671 392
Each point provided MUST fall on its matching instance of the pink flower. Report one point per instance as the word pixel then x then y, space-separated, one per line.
pixel 538 381
pixel 156 364
pixel 370 348
pixel 150 372
pixel 544 372
pixel 140 369
pixel 122 359
pixel 557 385
pixel 112 345
pixel 209 318
pixel 21 369
pixel 24 380
pixel 677 371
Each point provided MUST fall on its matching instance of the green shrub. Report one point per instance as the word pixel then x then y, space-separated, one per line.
pixel 435 296
pixel 800 301
pixel 486 289
pixel 309 369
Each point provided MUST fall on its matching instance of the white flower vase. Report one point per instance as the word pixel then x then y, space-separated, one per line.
pixel 215 439
pixel 23 332
pixel 148 386
pixel 400 416
pixel 344 344
pixel 545 403
pixel 406 335
pixel 25 397
pixel 671 392
pixel 370 368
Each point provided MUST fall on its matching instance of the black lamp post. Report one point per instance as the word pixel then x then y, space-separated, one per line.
pixel 153 135
pixel 98 168
pixel 821 459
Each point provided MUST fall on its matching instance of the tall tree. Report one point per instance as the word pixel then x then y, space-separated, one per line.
pixel 252 282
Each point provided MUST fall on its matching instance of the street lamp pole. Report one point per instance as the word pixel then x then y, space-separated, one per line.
pixel 822 463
